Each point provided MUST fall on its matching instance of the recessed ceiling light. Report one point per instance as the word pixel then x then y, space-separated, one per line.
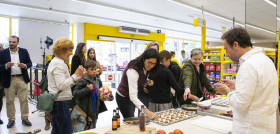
pixel 270 2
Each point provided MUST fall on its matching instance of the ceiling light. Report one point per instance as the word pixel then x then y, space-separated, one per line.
pixel 179 3
pixel 223 18
pixel 260 29
pixel 102 18
pixel 278 18
pixel 270 2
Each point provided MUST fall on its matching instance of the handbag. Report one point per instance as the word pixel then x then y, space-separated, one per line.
pixel 80 120
pixel 45 100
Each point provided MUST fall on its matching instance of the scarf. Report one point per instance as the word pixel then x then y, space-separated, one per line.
pixel 94 95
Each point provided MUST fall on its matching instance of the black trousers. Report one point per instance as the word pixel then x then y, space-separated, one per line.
pixel 127 108
pixel 1 98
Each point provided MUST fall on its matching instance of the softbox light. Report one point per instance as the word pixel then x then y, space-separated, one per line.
pixel 48 42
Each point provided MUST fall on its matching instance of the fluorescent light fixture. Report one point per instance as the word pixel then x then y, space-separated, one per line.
pixel 278 18
pixel 115 39
pixel 179 3
pixel 223 18
pixel 270 2
pixel 211 14
pixel 260 29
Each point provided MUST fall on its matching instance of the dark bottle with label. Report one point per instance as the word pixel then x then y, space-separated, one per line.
pixel 118 117
pixel 142 119
pixel 114 121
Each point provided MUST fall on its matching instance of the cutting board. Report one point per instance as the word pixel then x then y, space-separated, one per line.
pixel 131 129
pixel 215 124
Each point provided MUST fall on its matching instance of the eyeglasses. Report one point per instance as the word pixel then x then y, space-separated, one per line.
pixel 151 63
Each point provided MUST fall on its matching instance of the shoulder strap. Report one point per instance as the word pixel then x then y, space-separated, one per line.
pixel 57 94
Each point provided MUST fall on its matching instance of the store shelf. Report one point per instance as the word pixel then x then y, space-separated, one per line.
pixel 228 74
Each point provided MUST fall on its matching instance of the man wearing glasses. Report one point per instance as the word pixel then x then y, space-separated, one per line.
pixel 14 62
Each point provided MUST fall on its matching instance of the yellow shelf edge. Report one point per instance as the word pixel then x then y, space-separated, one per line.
pixel 220 48
pixel 211 62
pixel 225 62
pixel 212 55
pixel 227 74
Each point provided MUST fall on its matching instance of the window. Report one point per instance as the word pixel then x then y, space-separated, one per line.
pixel 14 27
pixel 5 31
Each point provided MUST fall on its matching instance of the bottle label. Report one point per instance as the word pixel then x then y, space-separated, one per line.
pixel 114 124
pixel 119 122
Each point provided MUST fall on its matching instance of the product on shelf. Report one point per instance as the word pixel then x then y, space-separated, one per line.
pixel 218 76
pixel 218 68
pixel 212 67
pixel 208 75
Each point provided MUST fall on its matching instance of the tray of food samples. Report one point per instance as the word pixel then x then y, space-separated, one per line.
pixel 220 101
pixel 172 116
pixel 216 113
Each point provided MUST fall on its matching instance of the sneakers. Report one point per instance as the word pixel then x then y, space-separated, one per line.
pixel 1 122
pixel 10 124
pixel 26 122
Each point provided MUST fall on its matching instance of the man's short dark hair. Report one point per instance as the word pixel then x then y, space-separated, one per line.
pixel 239 35
pixel 90 63
pixel 13 36
pixel 183 51
pixel 172 52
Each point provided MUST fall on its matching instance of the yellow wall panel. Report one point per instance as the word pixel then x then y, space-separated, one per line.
pixel 92 31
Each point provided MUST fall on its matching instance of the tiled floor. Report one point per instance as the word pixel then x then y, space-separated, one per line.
pixel 38 121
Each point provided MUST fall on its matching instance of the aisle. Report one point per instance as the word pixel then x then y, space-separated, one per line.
pixel 38 121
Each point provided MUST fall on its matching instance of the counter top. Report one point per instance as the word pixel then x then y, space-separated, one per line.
pixel 186 126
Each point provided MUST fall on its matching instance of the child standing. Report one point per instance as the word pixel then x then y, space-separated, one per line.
pixel 86 94
pixel 163 81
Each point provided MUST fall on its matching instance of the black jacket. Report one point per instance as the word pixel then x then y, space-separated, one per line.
pixel 76 62
pixel 5 57
pixel 175 69
pixel 163 81
pixel 83 97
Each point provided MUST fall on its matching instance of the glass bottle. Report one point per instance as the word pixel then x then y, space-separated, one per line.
pixel 142 119
pixel 114 121
pixel 118 117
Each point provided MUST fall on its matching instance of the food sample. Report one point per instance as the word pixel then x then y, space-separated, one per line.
pixel 228 114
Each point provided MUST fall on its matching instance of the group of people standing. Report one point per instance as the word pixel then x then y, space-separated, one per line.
pixel 79 89
pixel 253 96
pixel 147 80
pixel 149 75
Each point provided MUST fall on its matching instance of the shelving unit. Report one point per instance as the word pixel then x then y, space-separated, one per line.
pixel 219 59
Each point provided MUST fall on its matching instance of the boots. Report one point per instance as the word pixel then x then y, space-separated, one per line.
pixel 47 127
pixel 47 120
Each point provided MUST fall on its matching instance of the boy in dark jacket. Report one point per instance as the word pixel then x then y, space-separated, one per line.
pixel 86 93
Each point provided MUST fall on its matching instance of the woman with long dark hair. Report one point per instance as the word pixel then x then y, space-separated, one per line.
pixel 134 79
pixel 79 57
pixel 91 55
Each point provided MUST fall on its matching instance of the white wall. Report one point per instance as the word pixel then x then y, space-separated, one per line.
pixel 30 33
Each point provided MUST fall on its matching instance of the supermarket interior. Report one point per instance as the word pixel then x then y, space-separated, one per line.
pixel 119 31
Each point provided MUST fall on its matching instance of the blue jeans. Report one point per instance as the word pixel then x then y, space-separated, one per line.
pixel 61 118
